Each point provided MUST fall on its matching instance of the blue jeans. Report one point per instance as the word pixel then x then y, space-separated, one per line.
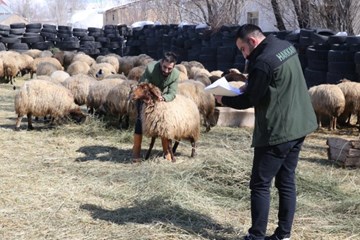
pixel 277 161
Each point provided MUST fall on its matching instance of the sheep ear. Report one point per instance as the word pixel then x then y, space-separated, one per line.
pixel 154 90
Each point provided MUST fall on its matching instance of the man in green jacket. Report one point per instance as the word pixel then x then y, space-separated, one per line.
pixel 283 117
pixel 163 75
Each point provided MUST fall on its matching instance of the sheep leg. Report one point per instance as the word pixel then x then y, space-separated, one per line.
pixel 176 144
pixel 29 119
pixel 150 147
pixel 319 121
pixel 335 122
pixel 171 152
pixel 331 123
pixel 193 145
pixel 166 144
pixel 18 122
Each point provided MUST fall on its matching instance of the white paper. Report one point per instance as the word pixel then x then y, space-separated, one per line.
pixel 223 88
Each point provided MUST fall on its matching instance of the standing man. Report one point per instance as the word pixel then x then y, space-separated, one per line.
pixel 163 75
pixel 283 117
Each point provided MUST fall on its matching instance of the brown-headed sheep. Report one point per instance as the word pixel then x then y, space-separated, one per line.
pixel 78 67
pixel 79 86
pixel 174 120
pixel 64 57
pixel 136 73
pixel 41 98
pixel 205 101
pixel 328 100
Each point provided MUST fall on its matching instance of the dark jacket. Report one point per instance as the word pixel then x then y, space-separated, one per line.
pixel 167 85
pixel 277 89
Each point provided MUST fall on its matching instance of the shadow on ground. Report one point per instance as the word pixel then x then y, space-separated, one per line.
pixel 158 210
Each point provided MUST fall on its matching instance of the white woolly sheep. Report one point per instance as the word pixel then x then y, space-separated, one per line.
pixel 11 69
pixel 174 120
pixel 41 98
pixel 64 57
pixel 101 70
pixel 198 71
pixel 111 60
pixel 136 73
pixel 82 57
pixel 328 100
pixel 79 86
pixel 37 61
pixel 351 91
pixel 205 101
pixel 217 73
pixel 59 76
pixel 98 92
pixel 34 53
pixel 45 68
pixel 118 103
pixel 78 67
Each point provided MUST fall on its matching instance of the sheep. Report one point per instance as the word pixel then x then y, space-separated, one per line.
pixel 205 101
pixel 34 53
pixel 64 57
pixel 136 73
pixel 122 76
pixel 79 86
pixel 217 73
pixel 174 120
pixel 351 91
pixel 181 68
pixel 111 60
pixel 11 69
pixel 59 76
pixel 117 103
pixel 98 92
pixel 46 54
pixel 198 71
pixel 1 68
pixel 25 62
pixel 126 64
pixel 231 70
pixel 101 70
pixel 37 61
pixel 203 78
pixel 40 98
pixel 191 64
pixel 327 100
pixel 78 67
pixel 45 68
pixel 82 57
pixel 142 60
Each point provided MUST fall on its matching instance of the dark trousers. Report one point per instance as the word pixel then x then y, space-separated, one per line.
pixel 277 161
pixel 138 123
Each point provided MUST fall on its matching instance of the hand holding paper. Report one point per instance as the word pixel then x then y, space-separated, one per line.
pixel 223 88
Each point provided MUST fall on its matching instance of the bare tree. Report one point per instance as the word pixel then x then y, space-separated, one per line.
pixel 61 11
pixel 277 12
pixel 23 8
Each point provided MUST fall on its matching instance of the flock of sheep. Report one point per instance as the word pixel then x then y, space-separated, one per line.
pixel 336 102
pixel 65 81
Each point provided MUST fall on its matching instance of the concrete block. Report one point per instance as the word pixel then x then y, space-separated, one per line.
pixel 230 117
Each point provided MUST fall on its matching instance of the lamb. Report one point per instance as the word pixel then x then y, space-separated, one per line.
pixel 98 92
pixel 41 98
pixel 175 120
pixel 136 73
pixel 45 68
pixel 78 67
pixel 59 76
pixel 79 86
pixel 37 61
pixel 101 70
pixel 327 100
pixel 205 101
pixel 117 103
pixel 351 91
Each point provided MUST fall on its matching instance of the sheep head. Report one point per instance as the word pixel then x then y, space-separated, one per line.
pixel 147 92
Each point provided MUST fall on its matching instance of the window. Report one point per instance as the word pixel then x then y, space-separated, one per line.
pixel 253 18
pixel 113 17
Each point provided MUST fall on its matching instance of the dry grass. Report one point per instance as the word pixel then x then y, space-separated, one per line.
pixel 77 182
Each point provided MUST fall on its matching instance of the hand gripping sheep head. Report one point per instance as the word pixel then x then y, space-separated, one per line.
pixel 146 92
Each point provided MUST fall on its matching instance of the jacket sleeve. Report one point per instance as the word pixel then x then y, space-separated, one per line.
pixel 258 85
pixel 170 93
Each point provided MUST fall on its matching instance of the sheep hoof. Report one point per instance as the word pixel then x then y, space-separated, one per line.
pixel 17 129
pixel 30 128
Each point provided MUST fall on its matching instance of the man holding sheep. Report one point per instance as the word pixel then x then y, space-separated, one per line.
pixel 163 75
pixel 283 117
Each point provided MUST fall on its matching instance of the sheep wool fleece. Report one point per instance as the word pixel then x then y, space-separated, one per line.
pixel 278 91
pixel 167 85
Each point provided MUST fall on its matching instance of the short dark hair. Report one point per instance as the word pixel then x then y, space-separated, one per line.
pixel 247 30
pixel 169 57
